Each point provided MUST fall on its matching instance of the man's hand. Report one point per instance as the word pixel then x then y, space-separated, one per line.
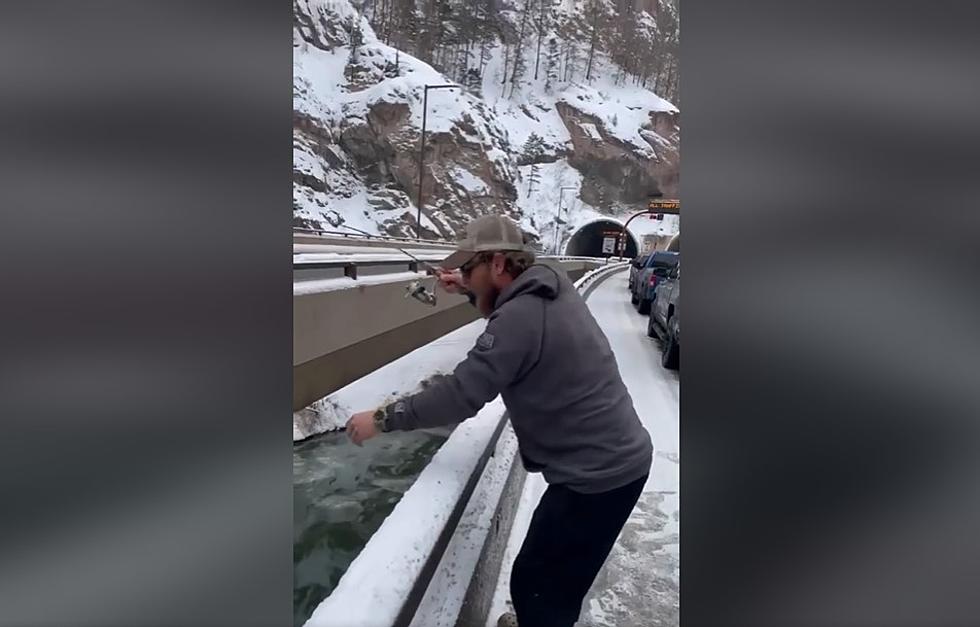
pixel 361 427
pixel 450 280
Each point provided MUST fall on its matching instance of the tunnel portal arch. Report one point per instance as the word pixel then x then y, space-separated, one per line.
pixel 587 240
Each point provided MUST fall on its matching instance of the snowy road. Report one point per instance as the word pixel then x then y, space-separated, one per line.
pixel 639 584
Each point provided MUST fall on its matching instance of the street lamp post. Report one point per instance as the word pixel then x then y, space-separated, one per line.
pixel 425 106
pixel 561 193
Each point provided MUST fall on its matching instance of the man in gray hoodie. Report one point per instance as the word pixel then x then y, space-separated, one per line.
pixel 545 355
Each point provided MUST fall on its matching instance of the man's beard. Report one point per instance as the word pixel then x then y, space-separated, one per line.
pixel 485 302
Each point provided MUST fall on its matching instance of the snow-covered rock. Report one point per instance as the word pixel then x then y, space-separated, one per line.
pixel 358 114
pixel 357 125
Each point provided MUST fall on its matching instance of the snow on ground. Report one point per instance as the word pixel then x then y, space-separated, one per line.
pixel 540 208
pixel 470 182
pixel 639 584
pixel 623 109
pixel 529 111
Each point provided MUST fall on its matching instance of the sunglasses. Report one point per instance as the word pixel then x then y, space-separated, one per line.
pixel 467 268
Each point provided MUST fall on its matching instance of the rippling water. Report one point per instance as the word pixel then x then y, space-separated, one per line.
pixel 341 495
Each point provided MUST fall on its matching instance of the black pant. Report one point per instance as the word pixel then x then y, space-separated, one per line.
pixel 568 540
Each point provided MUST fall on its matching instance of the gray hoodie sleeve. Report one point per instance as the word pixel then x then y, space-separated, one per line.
pixel 505 351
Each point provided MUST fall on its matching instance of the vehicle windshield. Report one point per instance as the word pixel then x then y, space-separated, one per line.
pixel 662 261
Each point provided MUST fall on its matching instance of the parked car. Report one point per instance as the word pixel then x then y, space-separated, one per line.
pixel 635 266
pixel 656 268
pixel 665 320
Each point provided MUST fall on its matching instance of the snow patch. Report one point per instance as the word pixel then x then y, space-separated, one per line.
pixel 592 132
pixel 470 182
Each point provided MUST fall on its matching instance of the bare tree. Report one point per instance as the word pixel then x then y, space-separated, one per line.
pixel 519 63
pixel 594 12
pixel 542 24
pixel 533 178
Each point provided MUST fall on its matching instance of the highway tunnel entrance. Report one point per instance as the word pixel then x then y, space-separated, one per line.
pixel 598 239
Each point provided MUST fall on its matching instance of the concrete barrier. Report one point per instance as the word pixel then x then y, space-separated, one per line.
pixel 349 327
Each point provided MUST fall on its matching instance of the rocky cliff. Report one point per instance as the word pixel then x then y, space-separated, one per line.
pixel 492 146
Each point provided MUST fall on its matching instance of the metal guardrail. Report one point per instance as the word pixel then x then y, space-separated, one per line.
pixel 428 571
pixel 368 237
pixel 350 265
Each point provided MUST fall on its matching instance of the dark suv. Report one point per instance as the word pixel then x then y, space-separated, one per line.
pixel 665 317
pixel 656 268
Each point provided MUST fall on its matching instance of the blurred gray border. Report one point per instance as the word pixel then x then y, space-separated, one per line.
pixel 829 381
pixel 829 395
pixel 145 459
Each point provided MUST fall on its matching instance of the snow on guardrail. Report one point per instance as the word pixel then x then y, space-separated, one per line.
pixel 379 580
pixel 592 277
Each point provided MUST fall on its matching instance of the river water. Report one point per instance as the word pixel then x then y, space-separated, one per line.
pixel 341 495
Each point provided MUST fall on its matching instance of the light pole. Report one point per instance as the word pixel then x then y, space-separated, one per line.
pixel 425 106
pixel 561 193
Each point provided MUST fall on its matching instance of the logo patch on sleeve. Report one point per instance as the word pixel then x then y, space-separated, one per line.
pixel 484 342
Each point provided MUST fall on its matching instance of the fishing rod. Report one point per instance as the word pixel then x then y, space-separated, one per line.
pixel 416 289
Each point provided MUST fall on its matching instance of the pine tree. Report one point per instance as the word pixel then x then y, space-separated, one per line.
pixel 570 34
pixel 405 25
pixel 483 31
pixel 356 38
pixel 571 60
pixel 506 61
pixel 554 60
pixel 533 149
pixel 473 81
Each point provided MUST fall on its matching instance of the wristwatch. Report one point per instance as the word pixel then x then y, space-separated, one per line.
pixel 381 419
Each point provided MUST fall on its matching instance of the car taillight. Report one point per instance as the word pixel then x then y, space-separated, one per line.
pixel 653 280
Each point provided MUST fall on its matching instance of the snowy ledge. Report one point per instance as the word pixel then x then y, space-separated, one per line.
pixel 383 576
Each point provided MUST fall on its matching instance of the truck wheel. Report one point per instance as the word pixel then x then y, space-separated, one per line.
pixel 632 297
pixel 670 358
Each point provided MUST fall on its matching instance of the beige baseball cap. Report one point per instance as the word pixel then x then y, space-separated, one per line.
pixel 486 233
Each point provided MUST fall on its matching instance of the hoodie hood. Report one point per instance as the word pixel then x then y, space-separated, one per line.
pixel 539 280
